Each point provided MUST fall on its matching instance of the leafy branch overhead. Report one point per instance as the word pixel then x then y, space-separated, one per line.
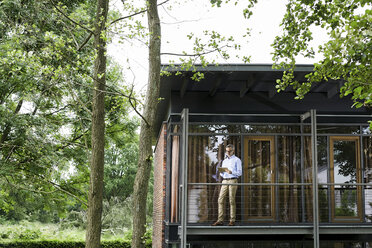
pixel 207 49
pixel 347 54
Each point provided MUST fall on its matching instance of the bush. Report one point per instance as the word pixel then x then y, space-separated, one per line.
pixel 66 244
pixel 4 235
pixel 29 234
pixel 147 237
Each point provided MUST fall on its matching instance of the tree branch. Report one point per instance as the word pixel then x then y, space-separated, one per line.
pixel 85 42
pixel 28 188
pixel 56 186
pixel 70 19
pixel 135 109
pixel 130 98
pixel 134 14
pixel 195 54
pixel 8 128
pixel 77 99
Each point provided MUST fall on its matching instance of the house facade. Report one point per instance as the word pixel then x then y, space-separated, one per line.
pixel 307 164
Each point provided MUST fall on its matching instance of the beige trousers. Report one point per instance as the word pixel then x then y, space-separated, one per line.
pixel 231 189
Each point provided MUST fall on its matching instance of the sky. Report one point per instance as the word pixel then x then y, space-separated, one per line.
pixel 195 16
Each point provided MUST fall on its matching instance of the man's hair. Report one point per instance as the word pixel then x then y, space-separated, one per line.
pixel 231 146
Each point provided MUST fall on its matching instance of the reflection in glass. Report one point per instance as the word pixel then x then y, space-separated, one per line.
pixel 341 244
pixel 214 128
pixel 258 168
pixel 271 129
pixel 322 159
pixel 323 178
pixel 338 129
pixel 367 156
pixel 344 168
pixel 323 201
pixel 366 130
pixel 308 178
pixel 289 156
pixel 322 129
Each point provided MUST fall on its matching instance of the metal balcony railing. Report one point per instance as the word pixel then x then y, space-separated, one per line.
pixel 278 203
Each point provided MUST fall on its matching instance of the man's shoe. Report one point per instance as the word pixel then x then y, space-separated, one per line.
pixel 232 223
pixel 218 223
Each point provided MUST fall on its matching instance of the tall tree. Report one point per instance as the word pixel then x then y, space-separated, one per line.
pixel 147 126
pixel 39 75
pixel 95 196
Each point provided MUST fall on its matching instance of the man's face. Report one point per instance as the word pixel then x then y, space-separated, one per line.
pixel 229 152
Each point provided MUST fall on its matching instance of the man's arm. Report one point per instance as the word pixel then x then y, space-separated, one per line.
pixel 238 168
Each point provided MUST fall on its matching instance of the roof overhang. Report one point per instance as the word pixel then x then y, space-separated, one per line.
pixel 238 82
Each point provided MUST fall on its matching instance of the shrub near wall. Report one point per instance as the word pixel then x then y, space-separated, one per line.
pixel 66 244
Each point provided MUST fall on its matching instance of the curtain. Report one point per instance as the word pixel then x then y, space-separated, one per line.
pixel 308 178
pixel 174 178
pixel 289 163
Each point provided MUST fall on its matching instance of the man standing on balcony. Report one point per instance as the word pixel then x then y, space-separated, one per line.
pixel 230 171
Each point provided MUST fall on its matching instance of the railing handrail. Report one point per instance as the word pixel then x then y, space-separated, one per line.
pixel 285 184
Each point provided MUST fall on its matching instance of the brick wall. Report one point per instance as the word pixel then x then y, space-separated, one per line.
pixel 159 191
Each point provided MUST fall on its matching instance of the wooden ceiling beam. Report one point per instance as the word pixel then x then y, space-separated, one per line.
pixel 215 87
pixel 183 89
pixel 246 86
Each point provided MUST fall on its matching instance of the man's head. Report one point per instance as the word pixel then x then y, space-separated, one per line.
pixel 230 150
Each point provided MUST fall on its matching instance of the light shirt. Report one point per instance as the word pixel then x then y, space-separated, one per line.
pixel 234 164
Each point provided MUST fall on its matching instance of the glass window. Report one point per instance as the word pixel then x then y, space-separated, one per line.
pixel 322 148
pixel 176 128
pixel 335 129
pixel 259 161
pixel 271 129
pixel 367 157
pixel 366 130
pixel 345 171
pixel 289 162
pixel 174 178
pixel 308 178
pixel 205 153
pixel 338 129
pixel 214 128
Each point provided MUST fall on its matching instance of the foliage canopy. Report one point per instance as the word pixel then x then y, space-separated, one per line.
pixel 347 54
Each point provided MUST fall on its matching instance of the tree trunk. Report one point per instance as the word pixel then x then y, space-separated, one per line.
pixel 145 150
pixel 93 233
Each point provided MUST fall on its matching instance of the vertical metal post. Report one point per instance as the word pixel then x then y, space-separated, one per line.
pixel 329 180
pixel 243 179
pixel 276 171
pixel 361 149
pixel 302 172
pixel 315 178
pixel 168 180
pixel 185 137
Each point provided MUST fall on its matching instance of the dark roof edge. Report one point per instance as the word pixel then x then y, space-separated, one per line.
pixel 234 67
